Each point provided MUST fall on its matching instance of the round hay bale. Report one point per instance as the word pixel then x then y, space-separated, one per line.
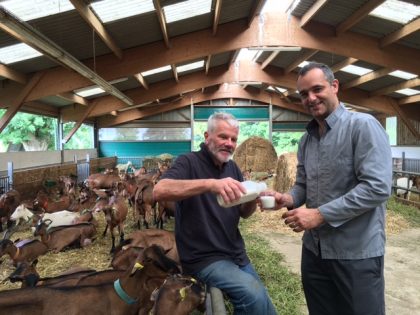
pixel 286 172
pixel 256 154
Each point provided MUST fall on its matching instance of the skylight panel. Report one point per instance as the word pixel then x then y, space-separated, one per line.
pixel 408 92
pixel 248 54
pixel 403 75
pixel 18 52
pixel 356 70
pixel 190 66
pixel 397 11
pixel 157 70
pixel 89 91
pixel 186 9
pixel 30 10
pixel 303 63
pixel 111 10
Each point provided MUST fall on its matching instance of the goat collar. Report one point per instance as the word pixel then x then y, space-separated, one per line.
pixel 122 294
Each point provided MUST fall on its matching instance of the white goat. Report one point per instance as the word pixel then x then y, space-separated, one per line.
pixel 404 182
pixel 122 168
pixel 64 217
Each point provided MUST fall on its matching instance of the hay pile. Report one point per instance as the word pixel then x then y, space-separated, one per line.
pixel 256 154
pixel 286 172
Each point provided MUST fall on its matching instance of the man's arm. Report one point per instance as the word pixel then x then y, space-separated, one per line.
pixel 179 189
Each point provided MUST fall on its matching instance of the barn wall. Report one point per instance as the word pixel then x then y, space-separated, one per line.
pixel 404 135
pixel 37 158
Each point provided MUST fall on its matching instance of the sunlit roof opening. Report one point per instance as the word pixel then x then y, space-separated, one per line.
pixel 89 91
pixel 303 63
pixel 248 54
pixel 190 66
pixel 17 52
pixel 111 10
pixel 397 11
pixel 356 70
pixel 408 92
pixel 403 75
pixel 186 9
pixel 156 70
pixel 30 10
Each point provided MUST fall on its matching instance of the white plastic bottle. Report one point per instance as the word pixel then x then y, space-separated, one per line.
pixel 253 190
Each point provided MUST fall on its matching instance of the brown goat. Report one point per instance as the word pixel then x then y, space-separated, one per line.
pixel 144 203
pixel 44 204
pixel 102 181
pixel 149 272
pixel 178 295
pixel 26 250
pixel 165 210
pixel 28 275
pixel 61 237
pixel 123 259
pixel 146 238
pixel 8 203
pixel 115 210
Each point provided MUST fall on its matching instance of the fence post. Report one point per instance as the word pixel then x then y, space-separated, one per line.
pixel 403 161
pixel 88 164
pixel 10 175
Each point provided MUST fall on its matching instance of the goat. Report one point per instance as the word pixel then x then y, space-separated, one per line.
pixel 8 203
pixel 26 250
pixel 144 202
pixel 178 295
pixel 28 275
pixel 123 168
pixel 60 237
pixel 128 295
pixel 115 211
pixel 59 218
pixel 146 238
pixel 404 182
pixel 165 210
pixel 123 258
pixel 102 181
pixel 44 204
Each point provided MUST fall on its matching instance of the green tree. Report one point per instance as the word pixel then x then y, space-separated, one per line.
pixel 286 141
pixel 82 139
pixel 34 132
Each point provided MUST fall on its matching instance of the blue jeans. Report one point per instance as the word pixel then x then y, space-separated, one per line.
pixel 242 285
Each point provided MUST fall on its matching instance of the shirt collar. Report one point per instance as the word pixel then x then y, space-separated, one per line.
pixel 331 120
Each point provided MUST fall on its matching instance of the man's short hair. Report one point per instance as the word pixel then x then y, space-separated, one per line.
pixel 229 118
pixel 329 75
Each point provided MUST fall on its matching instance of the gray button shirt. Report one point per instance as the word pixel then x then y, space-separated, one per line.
pixel 347 174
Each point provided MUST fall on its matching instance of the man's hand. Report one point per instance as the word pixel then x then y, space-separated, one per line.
pixel 229 188
pixel 301 219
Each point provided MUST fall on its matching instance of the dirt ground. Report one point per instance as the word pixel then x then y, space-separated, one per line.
pixel 402 259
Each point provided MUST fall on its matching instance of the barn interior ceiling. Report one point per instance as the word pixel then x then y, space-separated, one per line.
pixel 115 62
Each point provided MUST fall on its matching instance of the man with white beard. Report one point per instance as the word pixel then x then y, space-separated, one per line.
pixel 208 239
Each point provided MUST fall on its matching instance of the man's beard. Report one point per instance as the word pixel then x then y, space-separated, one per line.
pixel 216 152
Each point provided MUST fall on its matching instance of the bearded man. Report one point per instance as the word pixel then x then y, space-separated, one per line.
pixel 208 239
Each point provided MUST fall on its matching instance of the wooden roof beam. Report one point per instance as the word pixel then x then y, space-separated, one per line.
pixel 175 73
pixel 313 10
pixel 216 17
pixel 406 120
pixel 409 99
pixel 13 75
pixel 85 115
pixel 406 30
pixel 358 15
pixel 141 80
pixel 367 77
pixel 162 22
pixel 208 61
pixel 300 59
pixel 19 100
pixel 72 97
pixel 91 19
pixel 338 66
pixel 269 59
pixel 395 87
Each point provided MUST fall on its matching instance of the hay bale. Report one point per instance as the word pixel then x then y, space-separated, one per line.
pixel 256 154
pixel 286 172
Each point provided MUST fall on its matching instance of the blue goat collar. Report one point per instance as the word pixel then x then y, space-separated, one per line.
pixel 121 293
